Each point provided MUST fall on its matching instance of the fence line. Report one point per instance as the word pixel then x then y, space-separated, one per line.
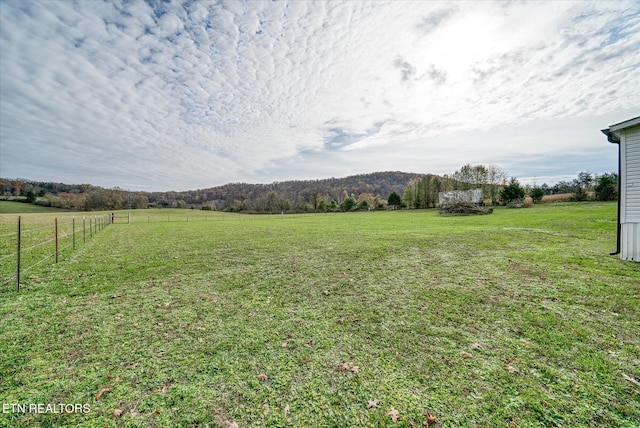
pixel 43 240
pixel 197 216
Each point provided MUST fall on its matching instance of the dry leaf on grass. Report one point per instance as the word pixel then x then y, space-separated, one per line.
pixel 262 377
pixel 373 404
pixel 326 292
pixel 102 391
pixel 393 414
pixel 465 354
pixel 284 344
pixel 431 419
pixel 476 346
pixel 630 379
pixel 512 369
pixel 286 411
pixel 349 367
pixel 116 414
pixel 233 425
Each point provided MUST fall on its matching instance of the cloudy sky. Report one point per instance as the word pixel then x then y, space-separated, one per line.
pixel 176 95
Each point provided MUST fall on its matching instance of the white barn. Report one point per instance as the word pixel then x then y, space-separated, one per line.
pixel 627 135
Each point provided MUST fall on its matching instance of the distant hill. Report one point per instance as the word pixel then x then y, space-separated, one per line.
pixel 293 195
pixel 298 193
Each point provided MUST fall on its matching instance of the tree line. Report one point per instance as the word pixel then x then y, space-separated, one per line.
pixel 378 190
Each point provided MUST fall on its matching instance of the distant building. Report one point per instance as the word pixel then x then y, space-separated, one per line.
pixel 627 136
pixel 473 196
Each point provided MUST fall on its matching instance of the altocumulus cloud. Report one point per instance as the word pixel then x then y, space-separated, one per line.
pixel 172 95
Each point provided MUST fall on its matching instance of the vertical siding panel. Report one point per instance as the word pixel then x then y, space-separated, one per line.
pixel 632 174
pixel 630 194
pixel 630 248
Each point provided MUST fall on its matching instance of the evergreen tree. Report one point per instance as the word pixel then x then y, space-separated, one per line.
pixel 607 187
pixel 512 192
pixel 536 194
pixel 394 200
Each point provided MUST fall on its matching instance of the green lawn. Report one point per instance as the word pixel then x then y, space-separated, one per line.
pixel 518 318
pixel 11 207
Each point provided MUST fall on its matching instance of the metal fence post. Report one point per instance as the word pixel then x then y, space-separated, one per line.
pixel 84 229
pixel 73 233
pixel 90 227
pixel 56 228
pixel 18 256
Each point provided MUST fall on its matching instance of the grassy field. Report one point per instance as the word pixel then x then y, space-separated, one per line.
pixel 518 318
pixel 11 207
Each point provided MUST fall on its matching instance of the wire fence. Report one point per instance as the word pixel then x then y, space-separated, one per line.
pixel 26 245
pixel 27 242
pixel 195 216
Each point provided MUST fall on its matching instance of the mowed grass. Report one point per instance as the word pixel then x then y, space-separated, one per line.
pixel 10 207
pixel 519 318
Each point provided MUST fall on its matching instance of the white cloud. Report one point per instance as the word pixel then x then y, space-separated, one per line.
pixel 175 97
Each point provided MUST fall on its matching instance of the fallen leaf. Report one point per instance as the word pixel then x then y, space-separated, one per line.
pixel 393 413
pixel 262 377
pixel 233 425
pixel 102 391
pixel 512 369
pixel 164 389
pixel 340 320
pixel 349 367
pixel 465 354
pixel 284 344
pixel 373 404
pixel 431 419
pixel 630 379
pixel 115 296
pixel 289 336
pixel 160 354
pixel 286 410
pixel 448 361
pixel 326 292
pixel 476 346
pixel 116 414
pixel 157 412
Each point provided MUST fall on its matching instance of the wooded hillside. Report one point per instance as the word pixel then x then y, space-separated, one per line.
pixel 294 195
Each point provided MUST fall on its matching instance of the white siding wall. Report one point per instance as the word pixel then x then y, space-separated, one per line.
pixel 630 242
pixel 630 198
